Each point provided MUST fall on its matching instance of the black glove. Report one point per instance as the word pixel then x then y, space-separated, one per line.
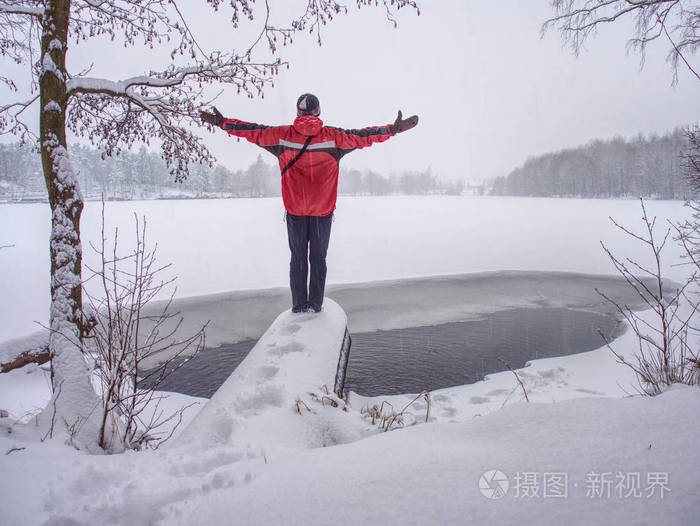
pixel 215 119
pixel 401 125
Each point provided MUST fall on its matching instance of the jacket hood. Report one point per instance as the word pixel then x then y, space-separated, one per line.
pixel 308 124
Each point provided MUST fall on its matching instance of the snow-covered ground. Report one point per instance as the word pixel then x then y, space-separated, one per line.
pixel 581 451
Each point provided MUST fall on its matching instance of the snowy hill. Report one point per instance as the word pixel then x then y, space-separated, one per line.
pixel 586 461
pixel 618 462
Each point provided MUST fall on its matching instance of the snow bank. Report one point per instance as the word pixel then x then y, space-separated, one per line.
pixel 255 410
pixel 431 474
pixel 427 474
pixel 33 343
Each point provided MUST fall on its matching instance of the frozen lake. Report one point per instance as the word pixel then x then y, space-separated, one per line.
pixel 240 244
pixel 426 358
pixel 420 334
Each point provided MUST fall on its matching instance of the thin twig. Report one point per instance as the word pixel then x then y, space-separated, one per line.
pixel 517 377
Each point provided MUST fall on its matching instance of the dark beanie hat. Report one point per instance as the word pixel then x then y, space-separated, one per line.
pixel 308 104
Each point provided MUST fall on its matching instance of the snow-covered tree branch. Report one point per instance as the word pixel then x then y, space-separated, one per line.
pixel 161 105
pixel 21 8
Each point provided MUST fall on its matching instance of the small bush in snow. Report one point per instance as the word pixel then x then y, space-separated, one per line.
pixel 123 335
pixel 669 331
pixel 386 418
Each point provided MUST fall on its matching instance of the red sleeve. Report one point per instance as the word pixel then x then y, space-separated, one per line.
pixel 256 133
pixel 348 139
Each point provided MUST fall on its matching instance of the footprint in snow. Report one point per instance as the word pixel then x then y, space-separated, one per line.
pixel 267 371
pixel 280 350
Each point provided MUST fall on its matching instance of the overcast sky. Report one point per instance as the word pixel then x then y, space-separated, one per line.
pixel 489 91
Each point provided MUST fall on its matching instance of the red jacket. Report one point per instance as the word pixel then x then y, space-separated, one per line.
pixel 310 185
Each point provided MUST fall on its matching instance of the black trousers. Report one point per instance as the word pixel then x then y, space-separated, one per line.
pixel 308 242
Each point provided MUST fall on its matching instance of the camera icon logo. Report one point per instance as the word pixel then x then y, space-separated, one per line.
pixel 494 484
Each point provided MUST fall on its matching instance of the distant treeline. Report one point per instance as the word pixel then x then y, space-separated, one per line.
pixel 643 166
pixel 144 175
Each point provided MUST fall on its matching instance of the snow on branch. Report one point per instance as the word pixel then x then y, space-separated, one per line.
pixel 156 22
pixel 133 20
pixel 21 8
pixel 219 68
pixel 160 105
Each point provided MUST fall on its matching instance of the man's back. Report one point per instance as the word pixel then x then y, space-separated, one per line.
pixel 310 185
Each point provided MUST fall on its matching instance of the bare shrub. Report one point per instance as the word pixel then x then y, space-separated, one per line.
pixel 122 336
pixel 665 354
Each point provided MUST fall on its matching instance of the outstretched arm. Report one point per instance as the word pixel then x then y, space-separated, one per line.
pixel 256 133
pixel 351 139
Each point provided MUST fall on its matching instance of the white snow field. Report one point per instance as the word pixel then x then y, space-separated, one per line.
pixel 272 447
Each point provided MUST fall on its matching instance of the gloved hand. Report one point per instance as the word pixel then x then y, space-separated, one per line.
pixel 215 119
pixel 401 125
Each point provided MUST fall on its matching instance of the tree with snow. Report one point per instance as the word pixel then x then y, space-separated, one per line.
pixel 159 105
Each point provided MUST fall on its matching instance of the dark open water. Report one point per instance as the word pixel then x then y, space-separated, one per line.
pixel 427 358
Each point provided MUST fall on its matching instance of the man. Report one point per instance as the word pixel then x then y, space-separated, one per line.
pixel 308 153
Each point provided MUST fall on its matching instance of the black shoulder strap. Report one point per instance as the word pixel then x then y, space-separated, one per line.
pixel 303 149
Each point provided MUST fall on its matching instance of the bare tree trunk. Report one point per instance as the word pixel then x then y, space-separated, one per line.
pixel 70 373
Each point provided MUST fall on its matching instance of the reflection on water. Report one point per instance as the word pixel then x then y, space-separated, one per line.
pixel 427 358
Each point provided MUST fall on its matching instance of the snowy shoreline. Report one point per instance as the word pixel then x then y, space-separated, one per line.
pixel 614 458
pixel 237 316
